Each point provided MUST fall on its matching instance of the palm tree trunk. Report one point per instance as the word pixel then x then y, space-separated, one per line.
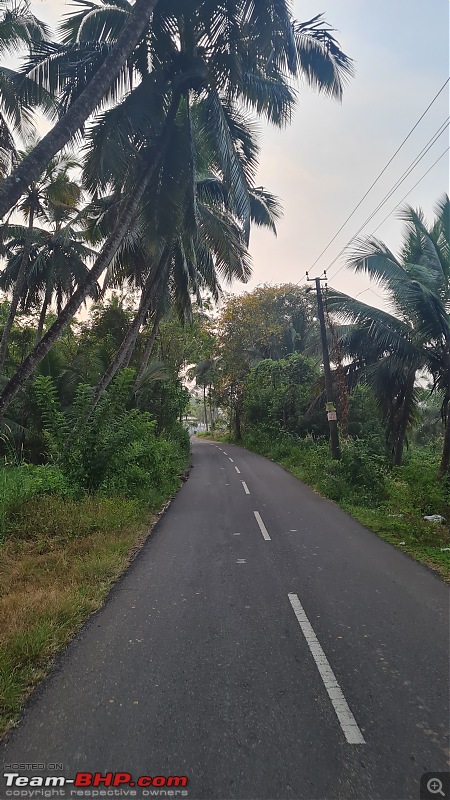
pixel 64 130
pixel 444 468
pixel 237 423
pixel 42 316
pixel 18 289
pixel 149 347
pixel 129 353
pixel 211 418
pixel 125 349
pixel 404 419
pixel 204 407
pixel 123 355
pixel 103 260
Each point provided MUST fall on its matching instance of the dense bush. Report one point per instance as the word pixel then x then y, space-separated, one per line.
pixel 360 476
pixel 20 484
pixel 111 449
pixel 415 487
pixel 279 393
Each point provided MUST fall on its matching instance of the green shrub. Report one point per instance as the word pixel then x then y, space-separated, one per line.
pixel 359 476
pixel 58 519
pixel 20 484
pixel 415 486
pixel 111 449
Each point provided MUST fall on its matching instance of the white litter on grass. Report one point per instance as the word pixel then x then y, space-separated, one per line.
pixel 444 548
pixel 435 518
pixel 402 542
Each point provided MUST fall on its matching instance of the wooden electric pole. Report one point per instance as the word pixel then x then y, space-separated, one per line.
pixel 331 408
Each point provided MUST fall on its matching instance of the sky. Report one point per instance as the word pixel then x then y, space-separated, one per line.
pixel 325 161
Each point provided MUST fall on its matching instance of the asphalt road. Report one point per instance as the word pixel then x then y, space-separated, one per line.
pixel 288 654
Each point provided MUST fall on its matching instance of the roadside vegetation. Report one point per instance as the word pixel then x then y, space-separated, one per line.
pixel 119 230
pixel 69 526
pixel 391 386
pixel 116 246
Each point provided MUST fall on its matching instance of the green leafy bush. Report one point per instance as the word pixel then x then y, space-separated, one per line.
pixel 415 486
pixel 359 476
pixel 278 394
pixel 20 484
pixel 110 449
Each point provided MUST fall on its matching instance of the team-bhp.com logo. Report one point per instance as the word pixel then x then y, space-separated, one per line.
pixel 94 780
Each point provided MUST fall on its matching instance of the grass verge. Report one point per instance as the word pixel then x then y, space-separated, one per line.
pixel 390 502
pixel 58 563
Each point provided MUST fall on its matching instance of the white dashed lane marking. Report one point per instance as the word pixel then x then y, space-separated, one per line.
pixel 246 489
pixel 346 719
pixel 262 527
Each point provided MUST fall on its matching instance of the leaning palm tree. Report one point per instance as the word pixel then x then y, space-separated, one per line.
pixel 246 56
pixel 19 29
pixel 104 62
pixel 49 199
pixel 391 347
pixel 57 263
pixel 205 239
pixel 103 75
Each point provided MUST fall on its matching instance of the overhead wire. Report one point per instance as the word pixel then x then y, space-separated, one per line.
pixel 412 189
pixel 396 186
pixel 386 218
pixel 381 173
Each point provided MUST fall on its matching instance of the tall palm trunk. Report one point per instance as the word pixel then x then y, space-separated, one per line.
pixel 125 350
pixel 444 468
pixel 404 418
pixel 123 355
pixel 237 423
pixel 205 407
pixel 109 249
pixel 211 417
pixel 149 346
pixel 18 289
pixel 43 315
pixel 31 167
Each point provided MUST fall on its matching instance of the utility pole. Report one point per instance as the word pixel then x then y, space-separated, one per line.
pixel 331 408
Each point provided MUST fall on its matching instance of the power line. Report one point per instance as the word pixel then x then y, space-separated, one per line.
pixel 381 173
pixel 386 217
pixel 369 289
pixel 412 189
pixel 372 291
pixel 389 195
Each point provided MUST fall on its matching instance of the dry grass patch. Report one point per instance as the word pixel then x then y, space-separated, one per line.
pixel 57 565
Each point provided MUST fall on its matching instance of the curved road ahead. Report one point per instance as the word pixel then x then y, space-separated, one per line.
pixel 264 644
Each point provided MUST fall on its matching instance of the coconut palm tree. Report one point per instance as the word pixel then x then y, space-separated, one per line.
pixel 309 48
pixel 392 347
pixel 48 199
pixel 246 58
pixel 86 103
pixel 57 263
pixel 208 245
pixel 19 28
